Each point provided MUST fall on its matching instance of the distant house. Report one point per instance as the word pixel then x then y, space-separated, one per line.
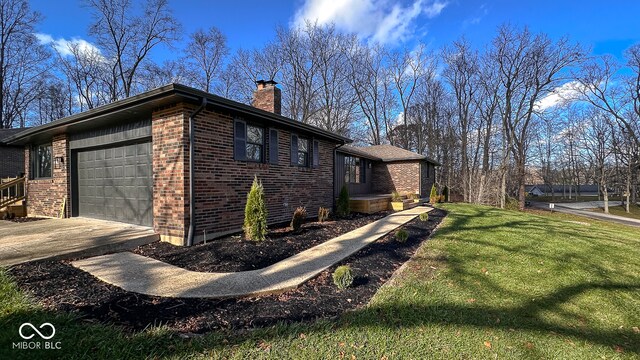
pixel 11 156
pixel 382 169
pixel 563 190
pixel 181 160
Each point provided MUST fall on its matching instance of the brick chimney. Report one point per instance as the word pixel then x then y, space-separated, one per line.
pixel 268 97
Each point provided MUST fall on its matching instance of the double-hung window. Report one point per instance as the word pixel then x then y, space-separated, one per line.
pixel 302 151
pixel 41 160
pixel 255 143
pixel 248 142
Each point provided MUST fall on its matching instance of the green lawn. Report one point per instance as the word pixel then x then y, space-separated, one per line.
pixel 490 284
pixel 634 211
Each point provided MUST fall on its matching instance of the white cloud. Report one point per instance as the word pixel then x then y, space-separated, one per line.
pixel 64 46
pixel 383 21
pixel 560 95
pixel 435 9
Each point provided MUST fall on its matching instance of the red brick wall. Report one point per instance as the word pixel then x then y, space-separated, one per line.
pixel 222 183
pixel 170 186
pixel 45 196
pixel 11 161
pixel 402 176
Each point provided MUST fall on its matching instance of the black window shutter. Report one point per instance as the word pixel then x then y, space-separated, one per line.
pixel 316 153
pixel 363 170
pixel 240 140
pixel 273 146
pixel 294 149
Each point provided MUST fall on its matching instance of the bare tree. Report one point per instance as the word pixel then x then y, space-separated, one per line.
pixel 406 69
pixel 462 74
pixel 530 68
pixel 206 51
pixel 89 74
pixel 597 148
pixel 126 35
pixel 605 88
pixel 368 75
pixel 22 61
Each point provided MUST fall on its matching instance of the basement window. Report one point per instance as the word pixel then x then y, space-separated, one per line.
pixel 41 161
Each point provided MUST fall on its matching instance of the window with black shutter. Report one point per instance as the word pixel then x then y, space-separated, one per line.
pixel 240 140
pixel 273 146
pixel 316 153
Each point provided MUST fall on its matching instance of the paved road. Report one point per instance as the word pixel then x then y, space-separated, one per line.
pixel 590 214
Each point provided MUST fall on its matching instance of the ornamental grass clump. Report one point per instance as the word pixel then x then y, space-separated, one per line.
pixel 396 197
pixel 255 213
pixel 298 219
pixel 343 277
pixel 402 235
pixel 323 214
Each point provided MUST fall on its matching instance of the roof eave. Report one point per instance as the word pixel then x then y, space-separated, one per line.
pixel 165 92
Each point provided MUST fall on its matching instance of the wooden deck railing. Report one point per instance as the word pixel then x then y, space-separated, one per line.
pixel 12 192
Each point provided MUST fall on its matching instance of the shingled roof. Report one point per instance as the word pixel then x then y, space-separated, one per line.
pixel 5 133
pixel 385 153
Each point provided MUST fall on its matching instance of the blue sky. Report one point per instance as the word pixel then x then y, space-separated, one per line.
pixel 604 26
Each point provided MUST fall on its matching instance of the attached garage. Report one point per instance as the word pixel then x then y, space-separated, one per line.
pixel 113 181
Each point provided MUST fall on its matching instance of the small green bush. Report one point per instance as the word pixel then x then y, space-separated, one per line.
pixel 396 197
pixel 343 202
pixel 402 235
pixel 342 277
pixel 323 214
pixel 255 213
pixel 433 196
pixel 298 219
pixel 511 203
pixel 424 216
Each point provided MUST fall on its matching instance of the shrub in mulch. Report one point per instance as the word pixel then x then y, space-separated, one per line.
pixel 233 253
pixel 59 286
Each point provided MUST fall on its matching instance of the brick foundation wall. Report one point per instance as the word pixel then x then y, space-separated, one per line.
pixel 170 176
pixel 222 183
pixel 403 177
pixel 45 196
pixel 11 161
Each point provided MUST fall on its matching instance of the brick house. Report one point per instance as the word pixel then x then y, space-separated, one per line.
pixel 382 169
pixel 11 157
pixel 179 160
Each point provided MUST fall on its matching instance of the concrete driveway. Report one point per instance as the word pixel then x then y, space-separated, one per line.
pixel 67 238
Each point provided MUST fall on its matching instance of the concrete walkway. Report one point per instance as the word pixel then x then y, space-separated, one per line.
pixel 586 213
pixel 67 238
pixel 148 276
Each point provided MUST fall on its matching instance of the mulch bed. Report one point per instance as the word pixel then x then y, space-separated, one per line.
pixel 233 253
pixel 25 219
pixel 59 286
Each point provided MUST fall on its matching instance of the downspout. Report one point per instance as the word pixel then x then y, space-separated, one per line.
pixel 192 197
pixel 335 158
